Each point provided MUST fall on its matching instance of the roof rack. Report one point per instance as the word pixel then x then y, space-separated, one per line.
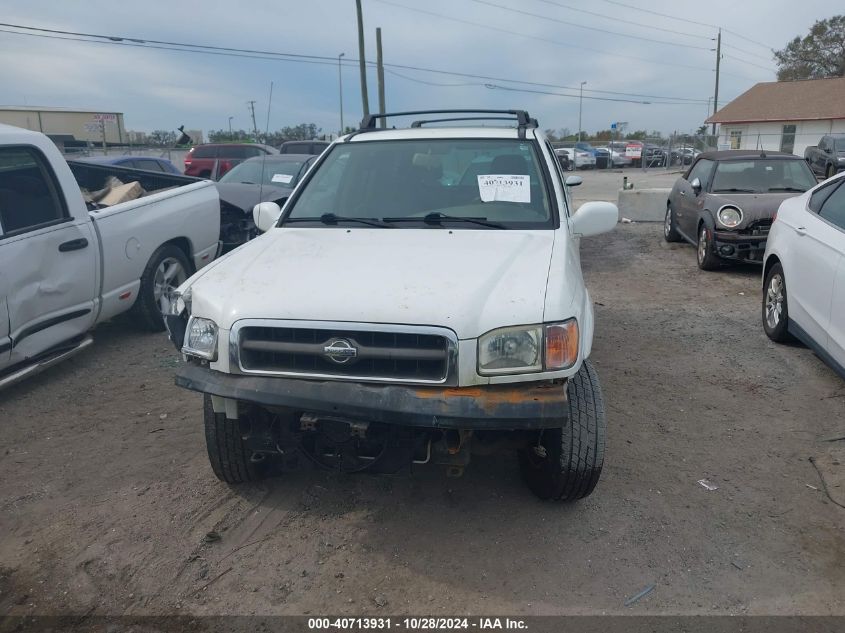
pixel 368 124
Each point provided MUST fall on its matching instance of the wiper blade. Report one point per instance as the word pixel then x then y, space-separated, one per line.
pixel 787 189
pixel 331 218
pixel 437 218
pixel 735 189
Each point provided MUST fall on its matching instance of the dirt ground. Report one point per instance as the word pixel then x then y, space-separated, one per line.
pixel 107 498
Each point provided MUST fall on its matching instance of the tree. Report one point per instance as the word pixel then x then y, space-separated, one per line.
pixel 301 132
pixel 701 131
pixel 819 54
pixel 223 136
pixel 162 138
pixel 551 135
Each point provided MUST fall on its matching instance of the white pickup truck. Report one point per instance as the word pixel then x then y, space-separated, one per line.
pixel 65 268
pixel 419 299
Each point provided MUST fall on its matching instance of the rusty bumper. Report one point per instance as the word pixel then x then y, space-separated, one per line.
pixel 494 407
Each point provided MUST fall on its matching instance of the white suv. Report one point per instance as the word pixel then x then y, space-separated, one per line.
pixel 418 299
pixel 804 272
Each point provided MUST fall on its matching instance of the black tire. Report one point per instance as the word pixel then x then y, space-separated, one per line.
pixel 229 457
pixel 670 233
pixel 567 463
pixel 147 312
pixel 775 308
pixel 707 259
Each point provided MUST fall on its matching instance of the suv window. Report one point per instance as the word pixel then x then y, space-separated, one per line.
pixel 833 209
pixel 205 151
pixel 701 170
pixel 501 180
pixel 296 148
pixel 28 193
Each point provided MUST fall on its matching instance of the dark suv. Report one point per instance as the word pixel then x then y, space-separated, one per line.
pixel 212 160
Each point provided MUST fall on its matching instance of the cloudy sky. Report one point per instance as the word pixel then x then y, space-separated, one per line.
pixel 616 46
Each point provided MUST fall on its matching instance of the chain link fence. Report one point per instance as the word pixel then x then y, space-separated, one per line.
pixel 174 155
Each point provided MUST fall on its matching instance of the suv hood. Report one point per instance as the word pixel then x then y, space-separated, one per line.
pixel 471 281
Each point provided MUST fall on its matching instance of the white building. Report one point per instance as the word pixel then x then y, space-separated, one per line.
pixel 79 125
pixel 783 115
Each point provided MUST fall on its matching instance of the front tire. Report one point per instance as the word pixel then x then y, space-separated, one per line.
pixel 707 260
pixel 566 463
pixel 167 269
pixel 230 459
pixel 775 306
pixel 670 233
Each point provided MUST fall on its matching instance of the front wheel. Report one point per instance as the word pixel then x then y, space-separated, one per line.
pixel 707 260
pixel 775 306
pixel 670 233
pixel 167 269
pixel 230 459
pixel 565 464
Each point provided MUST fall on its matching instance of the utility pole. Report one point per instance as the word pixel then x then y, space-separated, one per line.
pixel 230 127
pixel 380 68
pixel 580 102
pixel 340 86
pixel 254 124
pixel 718 61
pixel 362 62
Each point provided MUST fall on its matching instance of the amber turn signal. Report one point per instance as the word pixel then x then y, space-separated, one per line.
pixel 561 345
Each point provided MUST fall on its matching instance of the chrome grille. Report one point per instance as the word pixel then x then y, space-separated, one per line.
pixel 377 353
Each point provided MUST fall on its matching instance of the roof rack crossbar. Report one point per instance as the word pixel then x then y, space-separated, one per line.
pixel 421 122
pixel 369 122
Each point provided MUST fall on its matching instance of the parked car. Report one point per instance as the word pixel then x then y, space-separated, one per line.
pixel 63 268
pixel 653 156
pixel 725 203
pixel 804 272
pixel 828 157
pixel 147 163
pixel 303 147
pixel 261 179
pixel 343 334
pixel 629 149
pixel 683 155
pixel 617 158
pixel 565 159
pixel 582 158
pixel 212 160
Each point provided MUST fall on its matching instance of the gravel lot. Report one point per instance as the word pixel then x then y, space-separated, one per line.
pixel 107 498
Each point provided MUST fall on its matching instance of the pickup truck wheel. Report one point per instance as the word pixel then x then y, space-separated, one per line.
pixel 566 463
pixel 166 270
pixel 230 460
pixel 707 260
pixel 670 233
pixel 775 307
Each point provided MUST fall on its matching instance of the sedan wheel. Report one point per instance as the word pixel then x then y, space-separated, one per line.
pixel 774 301
pixel 776 306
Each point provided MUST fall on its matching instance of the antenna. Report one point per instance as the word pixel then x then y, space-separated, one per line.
pixel 264 154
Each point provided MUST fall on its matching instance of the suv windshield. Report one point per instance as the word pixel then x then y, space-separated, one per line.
pixel 499 181
pixel 762 176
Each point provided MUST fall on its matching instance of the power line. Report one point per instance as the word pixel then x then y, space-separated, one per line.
pixel 673 17
pixel 590 28
pixel 745 61
pixel 299 58
pixel 577 96
pixel 618 19
pixel 538 38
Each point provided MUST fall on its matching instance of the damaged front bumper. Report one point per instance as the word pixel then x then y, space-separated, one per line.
pixel 739 247
pixel 519 406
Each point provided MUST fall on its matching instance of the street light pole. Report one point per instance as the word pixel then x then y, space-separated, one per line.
pixel 340 86
pixel 230 127
pixel 580 103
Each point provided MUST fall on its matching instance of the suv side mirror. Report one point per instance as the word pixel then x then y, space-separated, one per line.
pixel 265 215
pixel 696 185
pixel 573 181
pixel 593 218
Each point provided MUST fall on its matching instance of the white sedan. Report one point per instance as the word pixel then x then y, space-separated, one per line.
pixel 804 272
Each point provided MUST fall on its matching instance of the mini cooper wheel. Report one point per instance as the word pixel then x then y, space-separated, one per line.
pixel 707 260
pixel 775 306
pixel 670 233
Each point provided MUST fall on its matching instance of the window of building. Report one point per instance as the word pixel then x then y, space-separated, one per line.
pixel 736 139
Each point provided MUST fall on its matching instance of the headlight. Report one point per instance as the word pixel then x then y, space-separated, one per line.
pixel 530 348
pixel 511 350
pixel 201 339
pixel 730 216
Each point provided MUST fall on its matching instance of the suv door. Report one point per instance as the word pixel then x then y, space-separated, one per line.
pixel 819 159
pixel 48 258
pixel 815 251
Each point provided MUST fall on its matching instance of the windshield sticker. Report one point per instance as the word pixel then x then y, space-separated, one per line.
pixel 282 178
pixel 504 188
